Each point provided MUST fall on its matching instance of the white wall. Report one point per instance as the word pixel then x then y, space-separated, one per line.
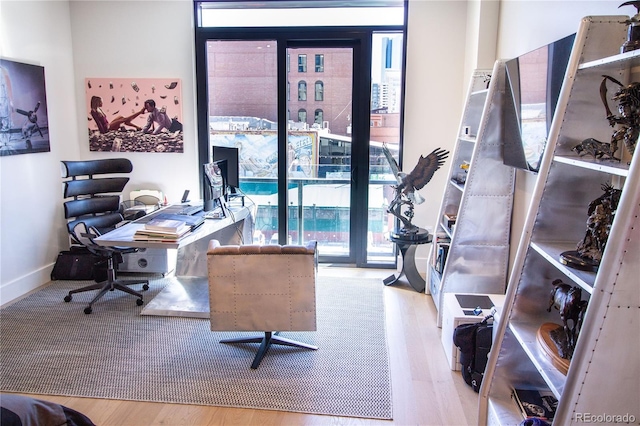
pixel 140 39
pixel 31 220
pixel 434 96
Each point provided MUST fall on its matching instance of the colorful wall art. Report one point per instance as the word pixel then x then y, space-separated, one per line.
pixel 134 114
pixel 24 126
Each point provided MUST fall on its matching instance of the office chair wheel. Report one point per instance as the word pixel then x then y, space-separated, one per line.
pixel 67 298
pixel 145 287
pixel 139 302
pixel 88 310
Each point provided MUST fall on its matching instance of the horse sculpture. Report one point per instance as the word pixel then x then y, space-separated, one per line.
pixel 568 301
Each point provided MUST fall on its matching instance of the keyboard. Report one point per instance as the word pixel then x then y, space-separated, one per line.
pixel 190 210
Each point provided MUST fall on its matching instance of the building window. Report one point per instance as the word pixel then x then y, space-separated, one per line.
pixel 302 90
pixel 319 63
pixel 288 91
pixel 302 63
pixel 302 115
pixel 319 91
pixel 318 117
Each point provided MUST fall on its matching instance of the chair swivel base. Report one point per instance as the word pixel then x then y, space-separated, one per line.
pixel 266 342
pixel 109 285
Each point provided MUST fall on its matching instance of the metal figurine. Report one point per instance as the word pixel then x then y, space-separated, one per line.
pixel 633 31
pixel 628 99
pixel 568 301
pixel 589 251
pixel 406 192
pixel 595 148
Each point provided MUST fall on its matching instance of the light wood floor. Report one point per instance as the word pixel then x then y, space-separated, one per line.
pixel 425 391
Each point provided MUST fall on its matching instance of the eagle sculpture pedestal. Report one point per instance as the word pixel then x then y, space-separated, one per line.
pixel 408 236
pixel 407 242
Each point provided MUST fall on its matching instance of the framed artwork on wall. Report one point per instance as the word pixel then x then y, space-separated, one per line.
pixel 24 125
pixel 134 114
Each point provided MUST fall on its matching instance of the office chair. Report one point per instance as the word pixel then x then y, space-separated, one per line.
pixel 94 209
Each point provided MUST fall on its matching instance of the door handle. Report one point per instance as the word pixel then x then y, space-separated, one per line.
pixel 354 176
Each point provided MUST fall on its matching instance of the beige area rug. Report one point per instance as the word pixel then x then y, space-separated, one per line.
pixel 51 347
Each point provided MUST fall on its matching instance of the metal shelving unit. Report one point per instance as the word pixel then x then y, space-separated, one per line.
pixel 602 375
pixel 478 245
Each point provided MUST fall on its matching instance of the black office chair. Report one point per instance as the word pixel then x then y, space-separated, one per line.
pixel 94 209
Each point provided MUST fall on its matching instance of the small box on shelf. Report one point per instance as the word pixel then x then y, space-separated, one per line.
pixel 449 219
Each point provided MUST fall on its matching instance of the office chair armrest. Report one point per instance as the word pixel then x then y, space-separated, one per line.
pixel 85 235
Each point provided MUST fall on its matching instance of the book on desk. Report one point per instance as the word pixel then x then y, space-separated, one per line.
pixel 159 236
pixel 193 221
pixel 166 225
pixel 162 230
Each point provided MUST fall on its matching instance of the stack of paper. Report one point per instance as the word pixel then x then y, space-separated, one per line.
pixel 163 230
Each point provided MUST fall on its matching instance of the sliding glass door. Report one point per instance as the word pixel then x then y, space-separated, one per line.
pixel 319 173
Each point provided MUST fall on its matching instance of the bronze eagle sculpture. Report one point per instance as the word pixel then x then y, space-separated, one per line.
pixel 409 184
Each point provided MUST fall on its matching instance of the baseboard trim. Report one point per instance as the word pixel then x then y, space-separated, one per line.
pixel 21 287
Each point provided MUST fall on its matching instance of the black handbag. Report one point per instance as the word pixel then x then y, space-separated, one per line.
pixel 474 341
pixel 79 264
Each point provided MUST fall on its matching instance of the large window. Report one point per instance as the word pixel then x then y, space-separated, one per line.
pixel 308 13
pixel 300 153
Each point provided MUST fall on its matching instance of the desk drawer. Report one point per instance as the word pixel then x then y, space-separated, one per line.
pixel 161 261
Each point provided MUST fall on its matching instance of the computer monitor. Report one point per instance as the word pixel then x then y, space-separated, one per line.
pixel 231 155
pixel 215 184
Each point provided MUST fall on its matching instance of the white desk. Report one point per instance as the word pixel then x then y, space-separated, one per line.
pixel 188 295
pixel 236 228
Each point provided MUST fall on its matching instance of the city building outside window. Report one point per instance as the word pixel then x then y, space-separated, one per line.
pixel 302 90
pixel 302 63
pixel 319 91
pixel 319 63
